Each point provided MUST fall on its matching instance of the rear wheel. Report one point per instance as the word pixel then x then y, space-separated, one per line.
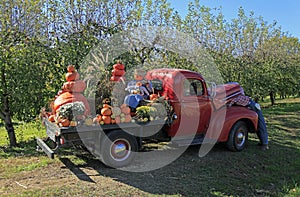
pixel 238 136
pixel 118 149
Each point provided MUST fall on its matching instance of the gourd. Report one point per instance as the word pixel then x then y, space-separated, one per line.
pixel 73 123
pixel 116 111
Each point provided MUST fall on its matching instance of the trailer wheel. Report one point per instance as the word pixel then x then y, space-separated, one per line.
pixel 238 136
pixel 118 149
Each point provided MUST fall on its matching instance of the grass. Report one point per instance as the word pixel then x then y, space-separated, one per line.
pixel 252 172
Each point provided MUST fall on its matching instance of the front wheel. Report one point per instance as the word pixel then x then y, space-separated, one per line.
pixel 118 149
pixel 238 136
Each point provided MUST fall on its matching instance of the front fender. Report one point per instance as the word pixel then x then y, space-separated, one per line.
pixel 220 126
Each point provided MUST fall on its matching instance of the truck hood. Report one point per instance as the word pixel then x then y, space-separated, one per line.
pixel 226 92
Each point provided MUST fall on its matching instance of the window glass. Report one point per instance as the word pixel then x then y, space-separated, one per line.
pixel 192 87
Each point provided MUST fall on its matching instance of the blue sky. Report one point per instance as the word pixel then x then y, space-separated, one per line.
pixel 285 12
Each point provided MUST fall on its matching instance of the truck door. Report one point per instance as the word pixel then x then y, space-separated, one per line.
pixel 195 105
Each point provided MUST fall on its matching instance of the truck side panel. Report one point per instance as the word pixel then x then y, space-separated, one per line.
pixel 233 114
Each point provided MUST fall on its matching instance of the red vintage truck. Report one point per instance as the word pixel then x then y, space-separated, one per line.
pixel 200 114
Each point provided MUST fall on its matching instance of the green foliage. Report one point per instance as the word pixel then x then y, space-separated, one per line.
pixel 71 110
pixel 39 40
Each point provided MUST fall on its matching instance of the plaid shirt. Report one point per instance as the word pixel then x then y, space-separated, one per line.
pixel 240 100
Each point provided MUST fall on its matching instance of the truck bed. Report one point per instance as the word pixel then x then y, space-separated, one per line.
pixel 84 133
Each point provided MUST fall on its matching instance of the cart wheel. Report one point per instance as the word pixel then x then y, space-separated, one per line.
pixel 118 149
pixel 238 136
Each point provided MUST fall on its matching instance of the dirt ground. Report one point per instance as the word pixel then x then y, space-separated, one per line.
pixel 219 173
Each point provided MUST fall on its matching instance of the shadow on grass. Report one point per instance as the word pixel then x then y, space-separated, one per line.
pixel 251 172
pixel 25 148
pixel 81 175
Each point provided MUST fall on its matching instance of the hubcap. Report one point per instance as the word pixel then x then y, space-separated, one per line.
pixel 120 150
pixel 240 138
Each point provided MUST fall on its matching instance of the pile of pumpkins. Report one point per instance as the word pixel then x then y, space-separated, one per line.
pixel 113 115
pixel 118 72
pixel 70 93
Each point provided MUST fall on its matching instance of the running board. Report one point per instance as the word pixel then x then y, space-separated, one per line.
pixel 188 141
pixel 45 148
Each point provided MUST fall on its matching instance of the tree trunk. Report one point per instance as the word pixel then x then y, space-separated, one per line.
pixel 9 128
pixel 10 131
pixel 5 115
pixel 272 98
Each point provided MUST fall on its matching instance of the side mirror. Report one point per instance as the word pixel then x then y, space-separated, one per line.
pixel 212 89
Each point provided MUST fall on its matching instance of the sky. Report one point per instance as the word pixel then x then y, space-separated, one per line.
pixel 285 12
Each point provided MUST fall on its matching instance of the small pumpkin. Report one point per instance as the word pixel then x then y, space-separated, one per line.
pixel 67 86
pixel 119 66
pixel 51 118
pixel 106 105
pixel 153 97
pixel 99 118
pixel 116 78
pixel 65 122
pixel 71 68
pixel 73 123
pixel 113 121
pixel 126 110
pixel 127 118
pixel 72 76
pixel 106 111
pixel 106 119
pixel 95 120
pixel 118 119
pixel 118 72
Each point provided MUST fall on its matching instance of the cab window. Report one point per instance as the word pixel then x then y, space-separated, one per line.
pixel 192 87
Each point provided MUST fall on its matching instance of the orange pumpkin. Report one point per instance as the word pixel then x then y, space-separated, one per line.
pixel 71 68
pixel 126 110
pixel 118 72
pixel 106 111
pixel 115 78
pixel 65 122
pixel 153 97
pixel 113 121
pixel 72 76
pixel 127 118
pixel 77 86
pixel 51 118
pixel 119 66
pixel 106 119
pixel 99 117
pixel 106 105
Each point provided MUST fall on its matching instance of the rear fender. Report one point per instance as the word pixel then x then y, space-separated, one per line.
pixel 233 114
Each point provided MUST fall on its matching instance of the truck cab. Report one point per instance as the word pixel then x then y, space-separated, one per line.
pixel 202 112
